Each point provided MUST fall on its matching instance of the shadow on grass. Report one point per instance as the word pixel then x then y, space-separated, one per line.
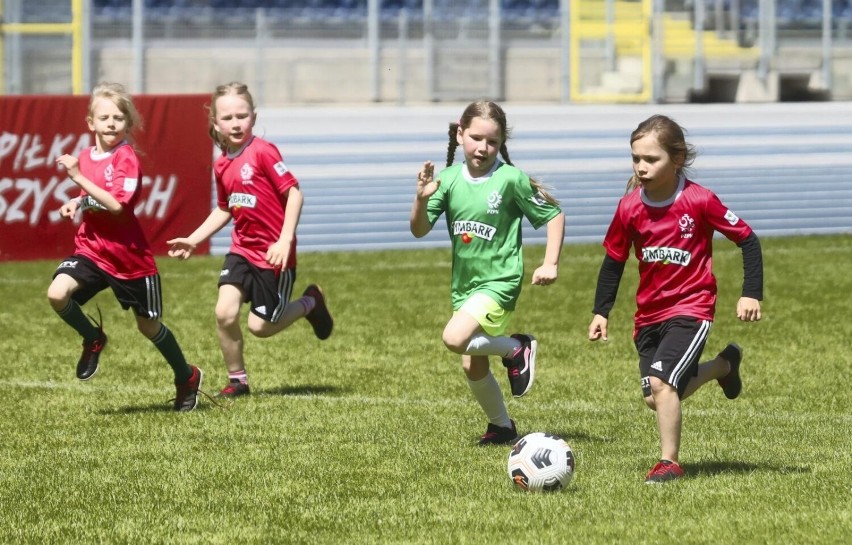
pixel 135 409
pixel 716 467
pixel 207 404
pixel 303 390
pixel 572 436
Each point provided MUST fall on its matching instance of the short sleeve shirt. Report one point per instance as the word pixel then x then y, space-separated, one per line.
pixel 673 241
pixel 484 222
pixel 114 242
pixel 252 184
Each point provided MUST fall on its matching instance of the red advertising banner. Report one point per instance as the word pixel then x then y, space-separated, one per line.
pixel 175 152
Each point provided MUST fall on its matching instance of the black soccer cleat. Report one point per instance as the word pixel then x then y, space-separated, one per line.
pixel 319 318
pixel 731 383
pixel 186 397
pixel 496 435
pixel 87 366
pixel 520 366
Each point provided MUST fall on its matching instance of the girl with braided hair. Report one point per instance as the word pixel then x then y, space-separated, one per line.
pixel 484 200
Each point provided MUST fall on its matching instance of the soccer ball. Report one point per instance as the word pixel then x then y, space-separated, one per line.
pixel 541 462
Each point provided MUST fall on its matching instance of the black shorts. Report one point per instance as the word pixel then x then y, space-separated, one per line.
pixel 144 294
pixel 268 290
pixel 671 351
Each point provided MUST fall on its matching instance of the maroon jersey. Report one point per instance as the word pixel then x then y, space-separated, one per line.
pixel 115 242
pixel 673 242
pixel 252 183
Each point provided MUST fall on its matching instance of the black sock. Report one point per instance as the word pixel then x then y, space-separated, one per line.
pixel 168 346
pixel 73 315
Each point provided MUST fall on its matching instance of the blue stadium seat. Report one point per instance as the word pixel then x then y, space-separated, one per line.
pixel 749 10
pixel 112 9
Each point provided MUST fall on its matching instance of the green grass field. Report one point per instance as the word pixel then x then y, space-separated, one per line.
pixel 369 437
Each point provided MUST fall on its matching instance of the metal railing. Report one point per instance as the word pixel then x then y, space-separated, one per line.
pixel 405 51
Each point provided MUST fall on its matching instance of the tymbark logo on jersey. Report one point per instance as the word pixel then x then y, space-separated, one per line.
pixel 676 256
pixel 469 230
pixel 237 200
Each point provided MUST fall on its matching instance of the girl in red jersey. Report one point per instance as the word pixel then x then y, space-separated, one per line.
pixel 669 222
pixel 110 248
pixel 255 189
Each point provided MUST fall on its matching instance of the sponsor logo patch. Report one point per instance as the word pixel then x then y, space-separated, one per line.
pixel 280 168
pixel 88 203
pixel 538 199
pixel 668 256
pixel 731 217
pixel 237 200
pixel 473 229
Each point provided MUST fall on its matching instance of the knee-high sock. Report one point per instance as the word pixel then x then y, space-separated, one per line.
pixel 168 346
pixel 486 345
pixel 73 315
pixel 490 398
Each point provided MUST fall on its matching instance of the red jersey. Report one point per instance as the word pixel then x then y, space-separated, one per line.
pixel 115 242
pixel 252 183
pixel 673 241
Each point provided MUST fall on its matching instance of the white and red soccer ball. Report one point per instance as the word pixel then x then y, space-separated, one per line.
pixel 541 462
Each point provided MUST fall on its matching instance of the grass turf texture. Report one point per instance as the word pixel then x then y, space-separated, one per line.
pixel 369 437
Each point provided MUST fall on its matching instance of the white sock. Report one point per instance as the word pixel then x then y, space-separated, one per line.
pixel 486 345
pixel 490 398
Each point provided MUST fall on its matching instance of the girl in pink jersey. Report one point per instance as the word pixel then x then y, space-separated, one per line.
pixel 110 248
pixel 257 191
pixel 669 222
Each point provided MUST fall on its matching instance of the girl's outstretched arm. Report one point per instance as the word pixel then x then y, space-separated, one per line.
pixel 280 250
pixel 748 306
pixel 606 291
pixel 548 271
pixel 426 187
pixel 183 247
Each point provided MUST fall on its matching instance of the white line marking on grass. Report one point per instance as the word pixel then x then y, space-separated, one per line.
pixel 81 386
pixel 751 413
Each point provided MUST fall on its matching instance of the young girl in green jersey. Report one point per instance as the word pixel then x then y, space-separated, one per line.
pixel 484 200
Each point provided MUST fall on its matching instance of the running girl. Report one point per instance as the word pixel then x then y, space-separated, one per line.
pixel 110 248
pixel 258 192
pixel 484 200
pixel 669 221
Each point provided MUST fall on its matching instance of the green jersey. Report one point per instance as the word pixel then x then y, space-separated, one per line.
pixel 484 221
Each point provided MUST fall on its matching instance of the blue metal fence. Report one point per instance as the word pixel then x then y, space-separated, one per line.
pixel 784 168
